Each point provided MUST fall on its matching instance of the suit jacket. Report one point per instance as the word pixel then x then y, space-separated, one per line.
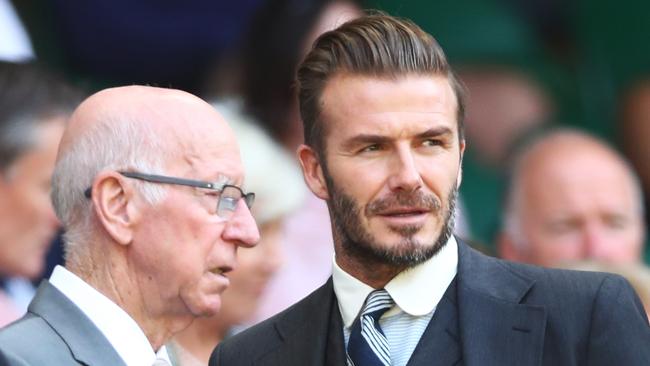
pixel 55 332
pixel 498 314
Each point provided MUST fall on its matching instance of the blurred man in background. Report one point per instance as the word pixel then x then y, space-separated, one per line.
pixel 572 198
pixel 34 107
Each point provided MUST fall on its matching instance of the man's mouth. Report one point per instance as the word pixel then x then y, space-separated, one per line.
pixel 221 271
pixel 404 211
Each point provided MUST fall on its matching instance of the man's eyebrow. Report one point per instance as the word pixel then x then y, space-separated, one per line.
pixel 365 139
pixel 441 131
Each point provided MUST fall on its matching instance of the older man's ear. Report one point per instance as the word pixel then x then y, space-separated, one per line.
pixel 114 205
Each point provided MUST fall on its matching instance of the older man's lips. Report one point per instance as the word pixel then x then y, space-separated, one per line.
pixel 220 274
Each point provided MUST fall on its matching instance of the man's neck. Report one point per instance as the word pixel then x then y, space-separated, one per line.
pixel 373 274
pixel 200 338
pixel 121 288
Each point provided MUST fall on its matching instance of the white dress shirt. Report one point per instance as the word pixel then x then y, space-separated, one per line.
pixel 118 327
pixel 416 293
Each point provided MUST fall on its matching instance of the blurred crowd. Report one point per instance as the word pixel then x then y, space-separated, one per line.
pixel 556 172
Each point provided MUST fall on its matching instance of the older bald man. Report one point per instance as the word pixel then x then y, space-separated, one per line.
pixel 573 198
pixel 148 185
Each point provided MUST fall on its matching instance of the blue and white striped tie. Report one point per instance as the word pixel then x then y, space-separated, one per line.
pixel 367 345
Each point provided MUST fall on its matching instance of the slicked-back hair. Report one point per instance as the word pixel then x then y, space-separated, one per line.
pixel 375 45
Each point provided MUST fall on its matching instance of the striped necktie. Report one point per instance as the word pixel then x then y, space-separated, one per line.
pixel 367 345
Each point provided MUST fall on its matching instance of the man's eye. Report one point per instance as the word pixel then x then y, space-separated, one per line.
pixel 228 203
pixel 431 142
pixel 563 226
pixel 616 221
pixel 370 148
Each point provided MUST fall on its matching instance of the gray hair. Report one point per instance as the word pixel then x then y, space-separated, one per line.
pixel 114 143
pixel 512 215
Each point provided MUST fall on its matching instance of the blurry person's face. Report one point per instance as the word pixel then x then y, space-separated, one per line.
pixel 254 270
pixel 391 166
pixel 581 206
pixel 333 15
pixel 27 219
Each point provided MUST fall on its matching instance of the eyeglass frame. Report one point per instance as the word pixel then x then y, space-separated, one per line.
pixel 249 198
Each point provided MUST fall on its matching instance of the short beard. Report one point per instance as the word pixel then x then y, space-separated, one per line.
pixel 361 245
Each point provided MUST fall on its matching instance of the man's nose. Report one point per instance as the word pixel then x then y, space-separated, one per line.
pixel 241 228
pixel 597 245
pixel 405 175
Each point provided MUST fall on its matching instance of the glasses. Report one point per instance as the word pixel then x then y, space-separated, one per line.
pixel 228 198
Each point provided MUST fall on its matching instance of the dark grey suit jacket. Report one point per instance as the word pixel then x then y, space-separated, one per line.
pixel 503 314
pixel 54 332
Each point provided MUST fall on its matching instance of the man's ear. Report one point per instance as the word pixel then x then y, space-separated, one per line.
pixel 312 171
pixel 114 206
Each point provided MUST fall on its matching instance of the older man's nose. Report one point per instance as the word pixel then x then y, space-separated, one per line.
pixel 241 228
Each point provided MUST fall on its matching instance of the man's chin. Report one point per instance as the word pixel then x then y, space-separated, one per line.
pixel 401 253
pixel 210 306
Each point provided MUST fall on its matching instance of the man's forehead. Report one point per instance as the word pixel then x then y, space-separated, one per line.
pixel 344 81
pixel 386 102
pixel 218 163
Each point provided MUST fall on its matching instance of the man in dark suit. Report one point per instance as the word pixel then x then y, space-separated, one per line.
pixel 383 118
pixel 146 184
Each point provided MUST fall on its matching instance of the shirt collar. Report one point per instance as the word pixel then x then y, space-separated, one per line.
pixel 415 291
pixel 122 332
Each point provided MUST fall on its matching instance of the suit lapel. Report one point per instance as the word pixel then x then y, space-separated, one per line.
pixel 335 354
pixel 497 329
pixel 440 343
pixel 311 335
pixel 87 344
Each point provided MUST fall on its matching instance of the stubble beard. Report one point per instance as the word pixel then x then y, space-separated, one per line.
pixel 359 244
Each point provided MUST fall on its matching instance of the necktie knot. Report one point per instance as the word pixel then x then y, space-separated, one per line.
pixel 377 303
pixel 367 345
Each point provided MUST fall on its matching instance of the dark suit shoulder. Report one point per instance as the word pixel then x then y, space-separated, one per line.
pixel 253 343
pixel 588 317
pixel 560 279
pixel 549 279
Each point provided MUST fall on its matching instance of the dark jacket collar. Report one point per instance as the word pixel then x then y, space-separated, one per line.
pixel 497 327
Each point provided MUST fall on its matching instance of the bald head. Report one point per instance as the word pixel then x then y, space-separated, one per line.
pixel 135 128
pixel 167 113
pixel 140 187
pixel 572 197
